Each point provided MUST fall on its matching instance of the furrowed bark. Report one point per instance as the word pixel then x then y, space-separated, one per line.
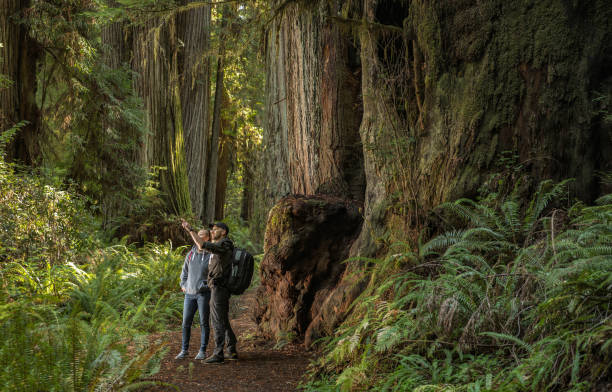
pixel 194 68
pixel 213 161
pixel 155 59
pixel 447 88
pixel 18 59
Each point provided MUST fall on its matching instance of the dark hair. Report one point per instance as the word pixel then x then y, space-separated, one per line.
pixel 220 225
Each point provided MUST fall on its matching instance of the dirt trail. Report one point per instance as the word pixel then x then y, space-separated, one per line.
pixel 260 366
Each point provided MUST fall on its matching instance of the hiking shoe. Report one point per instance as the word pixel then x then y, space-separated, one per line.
pixel 214 359
pixel 201 355
pixel 181 355
pixel 232 356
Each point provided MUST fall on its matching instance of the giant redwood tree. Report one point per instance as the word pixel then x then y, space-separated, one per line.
pixel 156 61
pixel 194 77
pixel 422 98
pixel 171 58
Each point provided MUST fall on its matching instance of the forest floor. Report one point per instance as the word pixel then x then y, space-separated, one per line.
pixel 262 364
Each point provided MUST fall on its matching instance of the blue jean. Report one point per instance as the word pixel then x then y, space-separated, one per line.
pixel 199 302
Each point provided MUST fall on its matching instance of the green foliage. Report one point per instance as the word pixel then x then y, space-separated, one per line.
pixel 92 122
pixel 74 318
pixel 243 116
pixel 5 82
pixel 513 299
pixel 40 223
pixel 94 336
pixel 6 135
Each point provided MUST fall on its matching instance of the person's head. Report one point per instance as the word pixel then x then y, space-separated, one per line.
pixel 219 230
pixel 204 234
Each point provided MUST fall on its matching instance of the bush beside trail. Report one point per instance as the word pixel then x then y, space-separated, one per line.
pixel 75 313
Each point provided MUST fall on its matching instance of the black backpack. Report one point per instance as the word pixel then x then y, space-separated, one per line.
pixel 241 271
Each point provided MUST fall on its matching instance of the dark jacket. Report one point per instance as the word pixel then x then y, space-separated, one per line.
pixel 195 271
pixel 219 266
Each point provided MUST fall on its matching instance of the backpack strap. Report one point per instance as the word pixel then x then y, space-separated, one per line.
pixel 190 256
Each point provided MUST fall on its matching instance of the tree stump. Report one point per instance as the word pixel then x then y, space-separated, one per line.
pixel 307 239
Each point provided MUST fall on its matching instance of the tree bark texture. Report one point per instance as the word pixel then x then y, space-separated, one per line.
pixel 213 157
pixel 194 68
pixel 313 105
pixel 249 173
pixel 447 87
pixel 18 59
pixel 155 59
pixel 117 46
pixel 481 78
pixel 307 237
pixel 227 153
pixel 117 43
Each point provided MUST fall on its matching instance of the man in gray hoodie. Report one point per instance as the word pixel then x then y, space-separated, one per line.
pixel 197 295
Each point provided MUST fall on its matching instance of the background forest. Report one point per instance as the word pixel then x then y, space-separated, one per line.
pixel 426 183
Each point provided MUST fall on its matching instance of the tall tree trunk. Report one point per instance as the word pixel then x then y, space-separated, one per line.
pixel 117 51
pixel 276 130
pixel 18 60
pixel 313 106
pixel 194 68
pixel 213 161
pixel 117 43
pixel 447 87
pixel 226 155
pixel 312 141
pixel 155 59
pixel 247 202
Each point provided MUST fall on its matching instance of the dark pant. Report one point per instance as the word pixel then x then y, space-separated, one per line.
pixel 220 320
pixel 199 302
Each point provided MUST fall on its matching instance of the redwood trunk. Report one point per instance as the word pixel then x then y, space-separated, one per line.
pixel 226 154
pixel 194 68
pixel 155 59
pixel 314 105
pixel 213 160
pixel 18 59
pixel 447 87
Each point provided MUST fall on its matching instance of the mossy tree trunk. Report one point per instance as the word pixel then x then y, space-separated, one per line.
pixel 19 56
pixel 213 157
pixel 194 68
pixel 156 61
pixel 227 152
pixel 454 85
pixel 127 137
pixel 447 87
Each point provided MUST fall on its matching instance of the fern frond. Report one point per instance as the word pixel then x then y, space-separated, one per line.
pixel 509 338
pixel 440 242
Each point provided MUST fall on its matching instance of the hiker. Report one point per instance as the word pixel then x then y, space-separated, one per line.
pixel 197 294
pixel 218 272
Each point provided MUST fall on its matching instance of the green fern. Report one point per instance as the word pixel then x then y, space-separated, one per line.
pixel 506 304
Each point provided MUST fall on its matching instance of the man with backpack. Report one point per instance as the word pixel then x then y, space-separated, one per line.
pixel 219 270
pixel 194 278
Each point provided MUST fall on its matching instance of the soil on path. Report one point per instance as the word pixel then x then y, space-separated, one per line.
pixel 261 366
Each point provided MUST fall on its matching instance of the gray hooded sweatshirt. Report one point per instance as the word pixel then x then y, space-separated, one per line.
pixel 195 271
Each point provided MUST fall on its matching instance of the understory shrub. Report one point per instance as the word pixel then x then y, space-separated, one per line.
pixel 76 314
